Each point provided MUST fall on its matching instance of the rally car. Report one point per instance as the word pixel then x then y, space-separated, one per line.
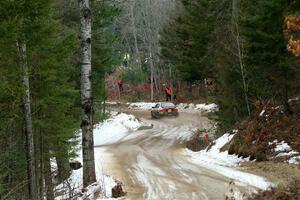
pixel 164 109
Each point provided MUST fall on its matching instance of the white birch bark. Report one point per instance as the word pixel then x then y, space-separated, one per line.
pixel 86 94
pixel 32 178
pixel 236 33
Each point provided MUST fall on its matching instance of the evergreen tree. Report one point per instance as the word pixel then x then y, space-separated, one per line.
pixel 104 51
pixel 271 67
pixel 231 71
pixel 48 51
pixel 186 41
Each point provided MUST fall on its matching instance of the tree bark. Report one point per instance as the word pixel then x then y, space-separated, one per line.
pixel 39 161
pixel 86 95
pixel 33 192
pixel 48 177
pixel 236 33
pixel 63 166
pixel 151 72
pixel 134 32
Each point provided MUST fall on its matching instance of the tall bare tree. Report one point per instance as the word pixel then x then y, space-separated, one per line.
pixel 31 170
pixel 240 54
pixel 89 175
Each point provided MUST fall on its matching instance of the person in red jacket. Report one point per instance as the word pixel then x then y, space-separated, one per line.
pixel 120 84
pixel 168 92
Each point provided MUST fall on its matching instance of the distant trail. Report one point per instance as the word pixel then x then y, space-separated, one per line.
pixel 151 165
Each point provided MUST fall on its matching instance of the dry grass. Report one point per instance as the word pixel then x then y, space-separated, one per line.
pixel 291 192
pixel 275 172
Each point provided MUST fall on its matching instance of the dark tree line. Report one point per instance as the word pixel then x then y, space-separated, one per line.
pixel 242 45
pixel 40 105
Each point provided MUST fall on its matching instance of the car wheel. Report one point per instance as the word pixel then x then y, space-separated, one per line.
pixel 154 116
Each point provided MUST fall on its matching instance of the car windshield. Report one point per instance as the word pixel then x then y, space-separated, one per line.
pixel 156 106
pixel 167 104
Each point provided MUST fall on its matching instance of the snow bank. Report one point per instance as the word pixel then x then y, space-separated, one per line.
pixel 141 105
pixel 182 106
pixel 284 149
pixel 72 188
pixel 200 107
pixel 108 132
pixel 294 160
pixel 112 103
pixel 226 164
pixel 115 128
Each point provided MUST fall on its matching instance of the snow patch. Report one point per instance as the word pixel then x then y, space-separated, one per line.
pixel 282 146
pixel 182 106
pixel 262 113
pixel 72 188
pixel 291 153
pixel 115 128
pixel 226 164
pixel 141 105
pixel 294 160
pixel 107 132
pixel 200 107
pixel 284 149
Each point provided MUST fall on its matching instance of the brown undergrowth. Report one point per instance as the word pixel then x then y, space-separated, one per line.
pixel 255 139
pixel 262 127
pixel 199 142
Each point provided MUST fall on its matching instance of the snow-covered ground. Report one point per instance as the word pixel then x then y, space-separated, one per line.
pixel 182 106
pixel 73 186
pixel 226 164
pixel 115 128
pixel 141 105
pixel 110 131
pixel 198 107
pixel 119 128
pixel 284 149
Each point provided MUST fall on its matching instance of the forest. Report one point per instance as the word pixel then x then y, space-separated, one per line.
pixel 60 62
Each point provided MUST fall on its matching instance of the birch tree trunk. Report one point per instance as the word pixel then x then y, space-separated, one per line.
pixel 86 94
pixel 236 33
pixel 33 192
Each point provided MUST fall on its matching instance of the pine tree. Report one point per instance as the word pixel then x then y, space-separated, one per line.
pixel 186 41
pixel 48 52
pixel 105 54
pixel 231 71
pixel 271 67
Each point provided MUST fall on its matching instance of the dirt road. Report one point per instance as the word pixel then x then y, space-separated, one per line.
pixel 151 165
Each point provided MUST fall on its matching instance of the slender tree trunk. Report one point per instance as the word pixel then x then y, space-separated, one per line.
pixel 171 83
pixel 286 104
pixel 134 32
pixel 152 73
pixel 38 144
pixel 190 89
pixel 48 177
pixel 236 33
pixel 33 192
pixel 63 166
pixel 86 95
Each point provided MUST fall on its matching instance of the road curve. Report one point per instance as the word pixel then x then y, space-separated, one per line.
pixel 151 164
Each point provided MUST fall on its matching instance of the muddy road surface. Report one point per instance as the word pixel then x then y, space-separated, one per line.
pixel 152 166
